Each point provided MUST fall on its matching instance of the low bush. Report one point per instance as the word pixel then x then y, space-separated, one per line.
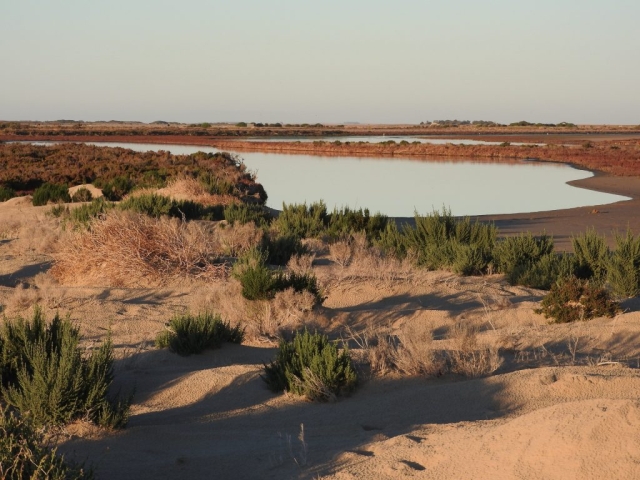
pixel 24 453
pixel 521 251
pixel 116 188
pixel 312 366
pixel 215 185
pixel 45 374
pixel 543 272
pixel 302 221
pixel 154 205
pixel 592 256
pixel 244 213
pixel 280 249
pixel 6 193
pixel 82 195
pixel 259 282
pixel 346 221
pixel 624 266
pixel 189 334
pixel 49 192
pixel 572 299
pixel 83 214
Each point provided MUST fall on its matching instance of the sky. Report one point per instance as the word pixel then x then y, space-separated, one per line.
pixel 294 61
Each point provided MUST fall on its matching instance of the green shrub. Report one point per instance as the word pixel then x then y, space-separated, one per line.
pixel 544 272
pixel 302 221
pixel 245 213
pixel 573 299
pixel 188 334
pixel 155 205
pixel 592 256
pixel 624 266
pixel 49 192
pixel 82 195
pixel 280 249
pixel 216 186
pixel 261 283
pixel 392 241
pixel 116 188
pixel 345 221
pixel 45 374
pixel 256 278
pixel 24 453
pixel 521 251
pixel 83 214
pixel 59 210
pixel 6 193
pixel 312 366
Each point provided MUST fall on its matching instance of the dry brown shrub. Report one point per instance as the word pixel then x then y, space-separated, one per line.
pixel 341 252
pixel 467 357
pixel 236 239
pixel 410 352
pixel 189 188
pixel 23 297
pixel 128 249
pixel 285 313
pixel 301 264
pixel 315 246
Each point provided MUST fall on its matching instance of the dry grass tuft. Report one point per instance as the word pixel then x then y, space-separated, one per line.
pixel 301 264
pixel 467 357
pixel 189 188
pixel 128 249
pixel 236 239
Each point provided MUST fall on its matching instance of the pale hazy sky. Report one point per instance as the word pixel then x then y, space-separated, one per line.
pixel 400 61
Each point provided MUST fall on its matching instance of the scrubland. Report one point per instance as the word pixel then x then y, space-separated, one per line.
pixel 315 344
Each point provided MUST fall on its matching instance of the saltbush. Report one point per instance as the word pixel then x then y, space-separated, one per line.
pixel 543 272
pixel 191 334
pixel 50 192
pixel 45 374
pixel 521 251
pixel 572 299
pixel 24 453
pixel 312 366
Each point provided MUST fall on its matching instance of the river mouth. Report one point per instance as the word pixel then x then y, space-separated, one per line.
pixel 399 187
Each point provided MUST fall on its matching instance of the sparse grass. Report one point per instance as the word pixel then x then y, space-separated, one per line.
pixel 312 366
pixel 192 334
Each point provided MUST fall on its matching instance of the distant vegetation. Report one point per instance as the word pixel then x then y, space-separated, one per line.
pixel 51 169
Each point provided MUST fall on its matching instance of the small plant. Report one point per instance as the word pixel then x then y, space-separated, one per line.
pixel 573 299
pixel 592 256
pixel 256 278
pixel 312 366
pixel 624 266
pixel 245 213
pixel 59 210
pixel 85 213
pixel 521 251
pixel 281 248
pixel 155 206
pixel 45 374
pixel 6 193
pixel 302 221
pixel 49 192
pixel 116 188
pixel 189 334
pixel 24 453
pixel 82 195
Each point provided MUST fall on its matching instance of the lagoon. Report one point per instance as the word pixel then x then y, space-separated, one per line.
pixel 398 187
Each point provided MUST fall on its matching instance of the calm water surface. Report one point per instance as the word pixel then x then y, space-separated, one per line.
pixel 398 187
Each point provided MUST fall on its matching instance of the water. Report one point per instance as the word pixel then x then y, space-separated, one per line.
pixel 397 187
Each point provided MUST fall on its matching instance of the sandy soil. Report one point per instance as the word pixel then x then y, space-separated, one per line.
pixel 550 411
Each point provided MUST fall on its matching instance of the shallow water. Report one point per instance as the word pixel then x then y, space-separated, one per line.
pixel 397 187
